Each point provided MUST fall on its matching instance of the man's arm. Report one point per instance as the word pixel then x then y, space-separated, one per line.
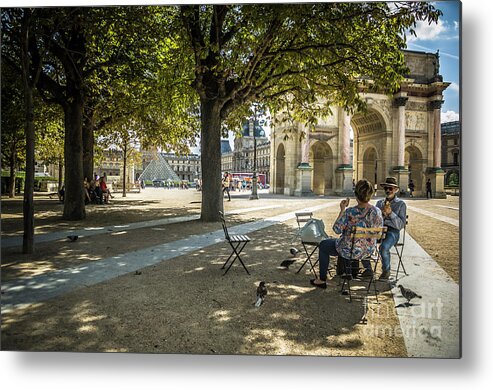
pixel 397 219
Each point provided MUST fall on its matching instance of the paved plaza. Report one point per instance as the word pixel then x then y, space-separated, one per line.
pixel 144 276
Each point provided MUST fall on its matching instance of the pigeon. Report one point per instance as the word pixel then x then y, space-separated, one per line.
pixel 73 238
pixel 293 251
pixel 407 293
pixel 261 293
pixel 287 263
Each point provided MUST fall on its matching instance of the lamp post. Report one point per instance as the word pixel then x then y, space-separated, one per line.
pixel 254 195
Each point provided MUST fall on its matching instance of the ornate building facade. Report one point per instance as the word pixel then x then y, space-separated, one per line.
pixel 398 136
pixel 451 132
pixel 241 159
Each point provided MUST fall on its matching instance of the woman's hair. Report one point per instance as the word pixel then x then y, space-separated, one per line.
pixel 363 190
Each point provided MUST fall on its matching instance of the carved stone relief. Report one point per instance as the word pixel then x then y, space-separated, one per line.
pixel 415 121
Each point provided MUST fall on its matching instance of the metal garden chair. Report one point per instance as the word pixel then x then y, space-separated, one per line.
pixel 237 243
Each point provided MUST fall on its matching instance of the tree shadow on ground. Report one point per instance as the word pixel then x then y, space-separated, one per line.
pixel 186 305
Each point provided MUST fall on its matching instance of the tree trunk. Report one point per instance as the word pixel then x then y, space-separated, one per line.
pixel 13 165
pixel 88 144
pixel 73 205
pixel 124 193
pixel 212 200
pixel 28 202
pixel 60 173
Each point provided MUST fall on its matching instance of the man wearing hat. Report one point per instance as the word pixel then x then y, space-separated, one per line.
pixel 394 212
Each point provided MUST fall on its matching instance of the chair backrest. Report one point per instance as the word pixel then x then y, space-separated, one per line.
pixel 303 217
pixel 377 233
pixel 403 235
pixel 225 228
pixel 358 232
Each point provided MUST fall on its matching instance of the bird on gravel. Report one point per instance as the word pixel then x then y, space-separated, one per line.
pixel 73 238
pixel 408 293
pixel 261 293
pixel 293 251
pixel 286 263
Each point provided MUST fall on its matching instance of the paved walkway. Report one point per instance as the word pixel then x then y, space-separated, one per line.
pixel 452 221
pixel 431 325
pixel 25 291
pixel 92 231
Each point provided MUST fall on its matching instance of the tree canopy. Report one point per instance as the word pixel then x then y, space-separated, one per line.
pixel 176 71
pixel 297 58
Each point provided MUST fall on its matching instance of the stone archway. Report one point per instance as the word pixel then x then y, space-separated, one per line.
pixel 370 142
pixel 280 169
pixel 416 165
pixel 370 165
pixel 321 159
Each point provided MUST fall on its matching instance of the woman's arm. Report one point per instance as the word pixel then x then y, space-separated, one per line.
pixel 341 222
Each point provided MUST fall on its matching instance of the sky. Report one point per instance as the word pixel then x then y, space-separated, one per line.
pixel 443 36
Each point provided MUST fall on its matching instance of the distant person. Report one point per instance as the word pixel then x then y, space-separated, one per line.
pixel 226 184
pixel 411 188
pixel 61 193
pixel 97 191
pixel 105 191
pixel 428 189
pixel 87 197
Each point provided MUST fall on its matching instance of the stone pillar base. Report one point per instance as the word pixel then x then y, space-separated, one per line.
pixel 303 180
pixel 402 176
pixel 344 180
pixel 437 177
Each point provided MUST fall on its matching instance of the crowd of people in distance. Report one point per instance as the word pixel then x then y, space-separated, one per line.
pixel 96 191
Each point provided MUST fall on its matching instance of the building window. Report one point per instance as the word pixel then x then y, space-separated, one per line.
pixel 456 158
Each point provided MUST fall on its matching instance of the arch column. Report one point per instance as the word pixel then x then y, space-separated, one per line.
pixel 344 170
pixel 399 170
pixel 436 173
pixel 304 170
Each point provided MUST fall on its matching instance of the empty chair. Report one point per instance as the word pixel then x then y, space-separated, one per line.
pixel 310 245
pixel 237 243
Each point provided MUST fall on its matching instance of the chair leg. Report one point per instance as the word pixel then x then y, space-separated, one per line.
pixel 237 256
pixel 226 262
pixel 241 261
pixel 372 280
pixel 399 255
pixel 347 280
pixel 308 259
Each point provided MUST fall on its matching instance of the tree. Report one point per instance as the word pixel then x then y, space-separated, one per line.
pixel 78 48
pixel 13 140
pixel 286 57
pixel 124 137
pixel 31 70
pixel 50 136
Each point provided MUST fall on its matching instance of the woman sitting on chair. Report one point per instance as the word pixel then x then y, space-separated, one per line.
pixel 362 215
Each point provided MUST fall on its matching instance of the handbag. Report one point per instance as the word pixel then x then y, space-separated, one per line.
pixel 313 231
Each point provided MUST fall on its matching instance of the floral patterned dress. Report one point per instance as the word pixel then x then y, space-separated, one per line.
pixel 362 217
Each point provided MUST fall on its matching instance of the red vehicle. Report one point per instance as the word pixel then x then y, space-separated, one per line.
pixel 247 176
